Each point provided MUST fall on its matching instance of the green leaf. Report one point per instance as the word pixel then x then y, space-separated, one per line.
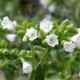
pixel 3 43
pixel 64 24
pixel 22 53
pixel 39 73
pixel 37 27
pixel 3 64
pixel 28 57
pixel 42 34
pixel 21 32
pixel 24 23
pixel 14 52
pixel 20 28
pixel 39 48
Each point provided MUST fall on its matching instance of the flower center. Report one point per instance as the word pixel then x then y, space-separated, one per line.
pixel 32 34
pixel 51 40
pixel 66 45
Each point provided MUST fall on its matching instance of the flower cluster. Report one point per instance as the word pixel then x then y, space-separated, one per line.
pixel 51 38
pixel 74 42
pixel 46 37
pixel 45 26
pixel 6 23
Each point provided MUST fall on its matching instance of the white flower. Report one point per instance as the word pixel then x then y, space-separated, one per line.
pixel 27 68
pixel 51 8
pixel 11 37
pixel 24 38
pixel 46 25
pixel 44 3
pixel 7 24
pixel 69 46
pixel 76 40
pixel 51 40
pixel 78 45
pixel 32 34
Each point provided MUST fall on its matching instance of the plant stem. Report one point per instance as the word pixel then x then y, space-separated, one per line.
pixel 32 51
pixel 31 77
pixel 44 57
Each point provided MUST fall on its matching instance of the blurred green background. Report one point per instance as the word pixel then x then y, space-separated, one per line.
pixel 36 10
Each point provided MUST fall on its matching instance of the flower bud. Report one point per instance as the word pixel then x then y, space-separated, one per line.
pixel 21 32
pixel 38 48
pixel 65 32
pixel 55 31
pixel 64 24
pixel 14 51
pixel 70 27
pixel 24 39
pixel 43 41
pixel 3 43
pixel 22 53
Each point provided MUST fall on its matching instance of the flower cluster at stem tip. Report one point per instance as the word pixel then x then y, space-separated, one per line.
pixel 45 26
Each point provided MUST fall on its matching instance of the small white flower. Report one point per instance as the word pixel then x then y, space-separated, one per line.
pixel 46 25
pixel 44 3
pixel 11 37
pixel 7 24
pixel 32 34
pixel 78 45
pixel 24 38
pixel 76 40
pixel 69 46
pixel 51 40
pixel 27 68
pixel 51 8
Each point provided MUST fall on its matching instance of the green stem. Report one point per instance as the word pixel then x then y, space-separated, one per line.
pixel 32 51
pixel 44 57
pixel 31 77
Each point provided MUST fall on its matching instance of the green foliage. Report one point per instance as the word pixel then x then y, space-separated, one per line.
pixel 48 63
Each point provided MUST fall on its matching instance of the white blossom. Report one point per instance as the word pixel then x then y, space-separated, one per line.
pixel 27 68
pixel 51 40
pixel 51 8
pixel 44 3
pixel 11 37
pixel 76 40
pixel 32 34
pixel 46 25
pixel 69 46
pixel 7 24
